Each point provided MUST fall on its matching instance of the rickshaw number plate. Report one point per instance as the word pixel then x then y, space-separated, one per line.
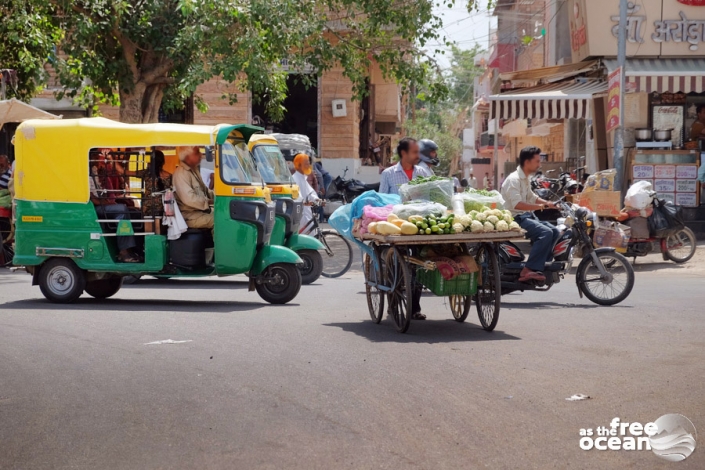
pixel 32 218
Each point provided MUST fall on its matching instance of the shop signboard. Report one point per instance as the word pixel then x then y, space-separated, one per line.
pixel 613 100
pixel 686 171
pixel 664 186
pixel 643 172
pixel 665 171
pixel 686 199
pixel 686 186
pixel 654 28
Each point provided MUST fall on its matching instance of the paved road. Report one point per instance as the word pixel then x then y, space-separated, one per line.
pixel 316 385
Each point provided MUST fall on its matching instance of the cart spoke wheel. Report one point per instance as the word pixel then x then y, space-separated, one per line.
pixel 489 293
pixel 375 297
pixel 398 279
pixel 460 306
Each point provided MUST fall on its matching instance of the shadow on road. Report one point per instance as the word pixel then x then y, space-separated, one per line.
pixel 428 331
pixel 554 306
pixel 158 283
pixel 137 305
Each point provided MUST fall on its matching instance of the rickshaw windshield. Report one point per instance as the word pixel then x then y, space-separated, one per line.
pixel 271 164
pixel 237 166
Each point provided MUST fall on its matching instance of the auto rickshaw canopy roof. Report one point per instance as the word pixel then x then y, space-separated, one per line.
pixel 262 139
pixel 52 156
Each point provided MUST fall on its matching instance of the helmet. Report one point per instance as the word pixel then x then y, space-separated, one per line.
pixel 426 146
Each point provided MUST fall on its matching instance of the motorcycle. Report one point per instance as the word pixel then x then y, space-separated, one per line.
pixel 604 276
pixel 548 189
pixel 344 190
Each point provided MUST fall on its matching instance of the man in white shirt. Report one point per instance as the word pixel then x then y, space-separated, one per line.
pixel 302 164
pixel 522 201
pixel 486 184
pixel 472 181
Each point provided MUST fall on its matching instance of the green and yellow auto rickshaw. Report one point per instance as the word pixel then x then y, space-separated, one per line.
pixel 276 174
pixel 69 241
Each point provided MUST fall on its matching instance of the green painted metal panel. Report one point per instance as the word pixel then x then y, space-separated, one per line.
pixel 235 241
pixel 269 255
pixel 298 242
pixel 278 232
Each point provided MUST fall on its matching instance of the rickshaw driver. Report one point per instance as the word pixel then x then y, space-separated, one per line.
pixel 307 194
pixel 192 195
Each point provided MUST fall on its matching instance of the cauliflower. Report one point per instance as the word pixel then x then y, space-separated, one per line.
pixel 458 227
pixel 480 217
pixel 476 227
pixel 508 219
pixel 497 213
pixel 492 219
pixel 466 220
pixel 489 227
pixel 514 226
pixel 502 226
pixel 473 214
pixel 506 213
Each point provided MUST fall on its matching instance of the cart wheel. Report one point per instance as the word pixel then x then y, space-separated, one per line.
pixel 460 306
pixel 489 294
pixel 375 296
pixel 398 278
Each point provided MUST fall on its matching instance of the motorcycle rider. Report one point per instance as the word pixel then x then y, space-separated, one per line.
pixel 429 154
pixel 522 201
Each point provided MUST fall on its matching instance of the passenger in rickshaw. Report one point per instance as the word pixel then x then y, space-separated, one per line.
pixel 192 195
pixel 155 180
pixel 106 207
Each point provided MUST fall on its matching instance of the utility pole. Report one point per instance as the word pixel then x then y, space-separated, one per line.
pixel 619 132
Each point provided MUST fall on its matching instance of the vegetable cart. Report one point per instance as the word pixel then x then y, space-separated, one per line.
pixel 390 272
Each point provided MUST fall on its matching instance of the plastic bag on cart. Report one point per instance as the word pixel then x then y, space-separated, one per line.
pixel 479 201
pixel 343 218
pixel 639 195
pixel 440 191
pixel 666 219
pixel 422 208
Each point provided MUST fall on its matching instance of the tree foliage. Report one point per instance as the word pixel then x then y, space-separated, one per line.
pixel 27 39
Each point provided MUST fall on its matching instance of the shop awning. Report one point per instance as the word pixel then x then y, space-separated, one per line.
pixel 13 110
pixel 553 74
pixel 661 75
pixel 564 100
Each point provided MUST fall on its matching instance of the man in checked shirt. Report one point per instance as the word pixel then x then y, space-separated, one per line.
pixel 406 170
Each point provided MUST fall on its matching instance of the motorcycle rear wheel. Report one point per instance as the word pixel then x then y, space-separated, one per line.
pixel 606 291
pixel 680 247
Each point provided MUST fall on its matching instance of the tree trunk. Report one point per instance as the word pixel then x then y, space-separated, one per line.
pixel 131 104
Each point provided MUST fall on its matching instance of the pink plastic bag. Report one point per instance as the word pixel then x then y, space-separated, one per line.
pixel 377 214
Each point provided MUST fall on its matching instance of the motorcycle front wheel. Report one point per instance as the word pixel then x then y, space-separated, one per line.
pixel 608 289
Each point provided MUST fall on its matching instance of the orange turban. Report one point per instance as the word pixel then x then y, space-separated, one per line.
pixel 299 161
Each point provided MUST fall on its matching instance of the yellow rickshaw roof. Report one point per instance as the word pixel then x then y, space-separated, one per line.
pixel 259 139
pixel 52 155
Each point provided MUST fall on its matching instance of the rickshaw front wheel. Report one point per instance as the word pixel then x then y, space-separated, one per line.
pixel 61 281
pixel 312 267
pixel 104 288
pixel 279 283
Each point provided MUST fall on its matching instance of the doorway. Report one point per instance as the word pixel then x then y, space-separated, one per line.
pixel 301 115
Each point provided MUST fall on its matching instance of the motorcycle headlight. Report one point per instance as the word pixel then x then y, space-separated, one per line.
pixel 569 221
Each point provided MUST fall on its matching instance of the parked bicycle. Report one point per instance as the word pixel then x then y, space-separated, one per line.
pixel 338 251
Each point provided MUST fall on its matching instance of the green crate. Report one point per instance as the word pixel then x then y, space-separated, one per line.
pixel 464 284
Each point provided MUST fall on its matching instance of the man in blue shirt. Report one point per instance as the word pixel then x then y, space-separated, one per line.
pixel 406 170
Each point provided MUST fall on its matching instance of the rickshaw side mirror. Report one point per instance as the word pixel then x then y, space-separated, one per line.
pixel 209 153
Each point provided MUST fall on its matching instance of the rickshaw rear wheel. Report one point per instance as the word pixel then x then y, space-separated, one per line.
pixel 61 281
pixel 279 283
pixel 312 267
pixel 104 288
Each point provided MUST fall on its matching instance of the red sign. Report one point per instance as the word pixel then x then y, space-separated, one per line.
pixel 613 100
pixel 694 3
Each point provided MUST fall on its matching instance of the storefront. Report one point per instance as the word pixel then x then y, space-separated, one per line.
pixel 665 83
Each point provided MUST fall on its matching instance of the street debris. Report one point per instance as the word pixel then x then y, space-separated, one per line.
pixel 578 397
pixel 169 341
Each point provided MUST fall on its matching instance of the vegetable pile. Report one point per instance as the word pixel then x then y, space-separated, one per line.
pixel 415 225
pixel 428 188
pixel 487 220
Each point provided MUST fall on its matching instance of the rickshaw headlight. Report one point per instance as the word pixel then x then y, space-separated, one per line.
pixel 256 213
pixel 284 207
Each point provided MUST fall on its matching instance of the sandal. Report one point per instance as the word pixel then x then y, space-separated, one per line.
pixel 418 316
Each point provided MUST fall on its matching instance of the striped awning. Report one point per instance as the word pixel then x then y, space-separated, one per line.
pixel 563 100
pixel 661 75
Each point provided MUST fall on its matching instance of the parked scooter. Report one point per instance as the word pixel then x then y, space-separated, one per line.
pixel 603 275
pixel 344 190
